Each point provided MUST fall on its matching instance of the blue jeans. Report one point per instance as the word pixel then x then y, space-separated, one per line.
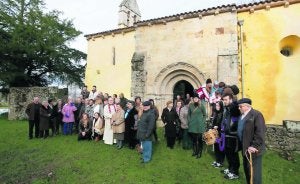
pixel 147 150
pixel 68 127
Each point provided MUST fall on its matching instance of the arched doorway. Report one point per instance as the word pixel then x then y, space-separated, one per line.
pixel 182 88
pixel 167 80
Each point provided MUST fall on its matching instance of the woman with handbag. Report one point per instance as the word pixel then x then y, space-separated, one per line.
pixel 170 119
pixel 97 128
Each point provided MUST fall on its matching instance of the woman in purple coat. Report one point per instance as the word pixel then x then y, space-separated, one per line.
pixel 68 116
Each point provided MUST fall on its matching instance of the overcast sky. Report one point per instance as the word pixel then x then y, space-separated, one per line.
pixel 92 16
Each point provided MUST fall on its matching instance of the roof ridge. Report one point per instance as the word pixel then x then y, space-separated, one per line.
pixel 206 11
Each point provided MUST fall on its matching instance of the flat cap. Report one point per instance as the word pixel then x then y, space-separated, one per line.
pixel 245 100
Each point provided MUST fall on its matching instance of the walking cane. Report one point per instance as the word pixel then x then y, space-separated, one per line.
pixel 250 163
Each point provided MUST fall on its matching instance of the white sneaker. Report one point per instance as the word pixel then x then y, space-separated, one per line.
pixel 214 163
pixel 231 176
pixel 225 171
pixel 218 165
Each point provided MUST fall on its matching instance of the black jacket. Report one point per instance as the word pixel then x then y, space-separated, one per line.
pixel 53 111
pixel 130 119
pixel 230 119
pixel 44 118
pixel 146 125
pixel 217 119
pixel 254 131
pixel 87 129
pixel 170 119
pixel 230 124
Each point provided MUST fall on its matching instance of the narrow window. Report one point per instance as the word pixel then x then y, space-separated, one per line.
pixel 114 56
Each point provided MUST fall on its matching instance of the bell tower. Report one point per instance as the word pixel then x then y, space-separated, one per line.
pixel 129 13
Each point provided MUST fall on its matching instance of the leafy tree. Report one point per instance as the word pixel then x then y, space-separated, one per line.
pixel 34 46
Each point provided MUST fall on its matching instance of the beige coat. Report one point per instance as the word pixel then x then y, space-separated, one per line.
pixel 98 126
pixel 118 122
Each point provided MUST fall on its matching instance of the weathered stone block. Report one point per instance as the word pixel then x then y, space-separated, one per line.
pixel 292 126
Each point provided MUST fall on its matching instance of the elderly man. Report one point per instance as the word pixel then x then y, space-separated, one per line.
pixel 251 133
pixel 33 113
pixel 145 130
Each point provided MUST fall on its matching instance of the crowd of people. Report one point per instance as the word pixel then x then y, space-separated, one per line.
pixel 118 121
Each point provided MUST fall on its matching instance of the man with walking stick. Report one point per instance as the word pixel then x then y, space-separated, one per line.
pixel 251 133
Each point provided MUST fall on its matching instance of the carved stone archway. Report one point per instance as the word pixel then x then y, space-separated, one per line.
pixel 168 77
pixel 171 74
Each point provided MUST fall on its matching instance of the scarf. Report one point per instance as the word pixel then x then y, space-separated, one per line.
pixel 110 109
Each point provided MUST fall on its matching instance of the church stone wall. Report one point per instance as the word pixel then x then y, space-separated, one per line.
pixel 20 97
pixel 109 63
pixel 270 78
pixel 196 43
pixel 138 75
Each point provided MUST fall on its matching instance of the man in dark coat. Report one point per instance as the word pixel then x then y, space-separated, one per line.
pixel 53 116
pixel 44 119
pixel 130 125
pixel 85 93
pixel 123 101
pixel 251 133
pixel 78 105
pixel 33 113
pixel 145 130
pixel 156 112
pixel 230 125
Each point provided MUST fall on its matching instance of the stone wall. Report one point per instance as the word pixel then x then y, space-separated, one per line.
pixel 3 99
pixel 284 138
pixel 190 50
pixel 138 75
pixel 19 98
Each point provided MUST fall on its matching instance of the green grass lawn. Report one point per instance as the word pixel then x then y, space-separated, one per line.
pixel 70 161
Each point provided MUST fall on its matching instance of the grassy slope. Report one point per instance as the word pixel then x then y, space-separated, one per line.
pixel 69 161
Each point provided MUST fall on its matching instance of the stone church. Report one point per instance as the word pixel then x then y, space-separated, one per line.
pixel 255 46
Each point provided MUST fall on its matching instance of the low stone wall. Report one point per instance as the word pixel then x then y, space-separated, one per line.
pixel 20 97
pixel 284 138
